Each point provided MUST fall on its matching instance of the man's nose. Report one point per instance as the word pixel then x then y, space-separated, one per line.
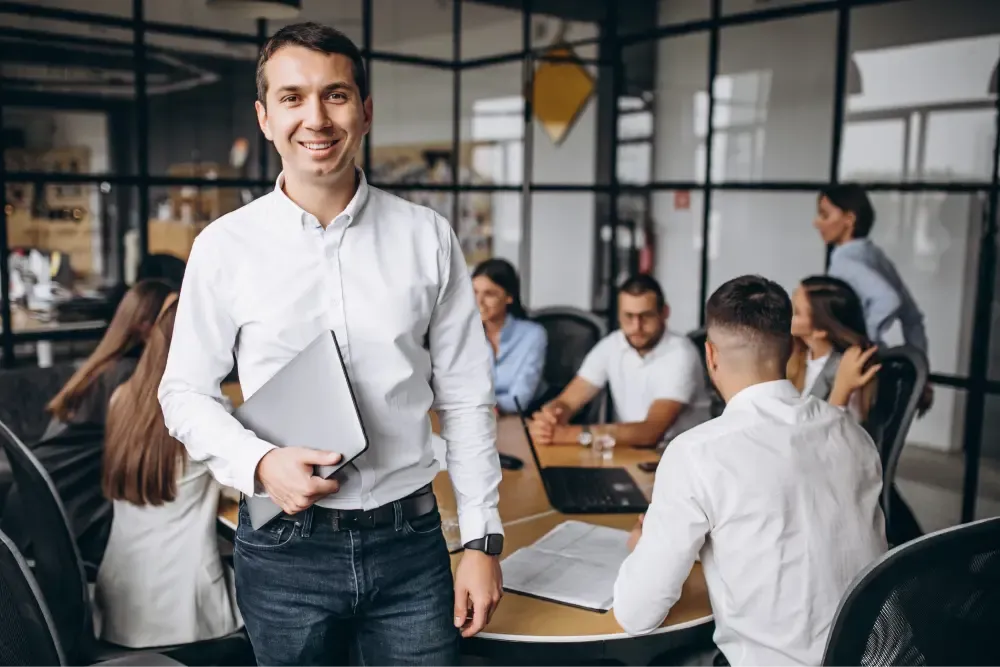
pixel 317 117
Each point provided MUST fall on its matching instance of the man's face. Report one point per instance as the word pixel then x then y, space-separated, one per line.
pixel 314 113
pixel 641 321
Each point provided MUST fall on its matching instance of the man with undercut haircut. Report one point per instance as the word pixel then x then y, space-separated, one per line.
pixel 778 497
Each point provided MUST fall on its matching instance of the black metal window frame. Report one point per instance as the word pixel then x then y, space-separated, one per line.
pixel 606 184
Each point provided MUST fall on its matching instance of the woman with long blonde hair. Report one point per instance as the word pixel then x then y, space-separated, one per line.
pixel 162 580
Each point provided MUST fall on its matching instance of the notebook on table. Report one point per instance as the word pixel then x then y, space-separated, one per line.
pixel 308 403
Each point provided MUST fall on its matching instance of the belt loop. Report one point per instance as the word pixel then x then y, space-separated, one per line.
pixel 307 522
pixel 397 511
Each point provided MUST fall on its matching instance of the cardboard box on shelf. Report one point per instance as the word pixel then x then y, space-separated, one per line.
pixel 202 203
pixel 173 237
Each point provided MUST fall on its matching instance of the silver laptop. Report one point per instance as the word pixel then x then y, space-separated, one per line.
pixel 308 403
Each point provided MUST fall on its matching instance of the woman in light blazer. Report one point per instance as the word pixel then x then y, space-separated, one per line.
pixel 162 580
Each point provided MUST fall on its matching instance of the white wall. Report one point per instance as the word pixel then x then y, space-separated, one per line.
pixel 775 108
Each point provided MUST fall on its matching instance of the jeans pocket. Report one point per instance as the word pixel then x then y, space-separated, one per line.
pixel 425 524
pixel 274 535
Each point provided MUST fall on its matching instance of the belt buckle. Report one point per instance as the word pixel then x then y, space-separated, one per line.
pixel 355 521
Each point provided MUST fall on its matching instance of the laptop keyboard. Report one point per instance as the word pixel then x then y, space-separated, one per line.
pixel 594 488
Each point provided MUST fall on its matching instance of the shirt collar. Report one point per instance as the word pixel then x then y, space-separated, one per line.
pixel 306 220
pixel 657 350
pixel 763 390
pixel 851 246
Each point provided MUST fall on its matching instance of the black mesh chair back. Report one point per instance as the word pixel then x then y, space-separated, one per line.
pixel 698 337
pixel 24 393
pixel 58 566
pixel 571 335
pixel 900 383
pixel 932 601
pixel 27 632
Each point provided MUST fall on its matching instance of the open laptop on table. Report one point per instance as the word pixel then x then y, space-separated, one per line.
pixel 577 490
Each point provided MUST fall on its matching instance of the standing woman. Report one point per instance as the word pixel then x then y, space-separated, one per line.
pixel 844 219
pixel 162 580
pixel 518 343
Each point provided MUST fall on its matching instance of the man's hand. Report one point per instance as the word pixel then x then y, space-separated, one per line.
pixel 542 430
pixel 554 413
pixel 478 589
pixel 286 473
pixel 633 537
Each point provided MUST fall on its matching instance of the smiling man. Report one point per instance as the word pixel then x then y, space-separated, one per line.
pixel 356 567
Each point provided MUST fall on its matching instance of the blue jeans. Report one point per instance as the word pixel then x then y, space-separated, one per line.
pixel 311 594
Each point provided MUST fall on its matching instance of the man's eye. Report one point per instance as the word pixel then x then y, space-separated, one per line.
pixel 289 98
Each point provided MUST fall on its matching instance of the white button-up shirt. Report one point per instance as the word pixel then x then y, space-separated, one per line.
pixel 389 278
pixel 779 498
pixel 673 370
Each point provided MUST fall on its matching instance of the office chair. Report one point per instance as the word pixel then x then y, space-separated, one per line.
pixel 59 569
pixel 24 393
pixel 933 601
pixel 900 382
pixel 698 337
pixel 571 335
pixel 27 631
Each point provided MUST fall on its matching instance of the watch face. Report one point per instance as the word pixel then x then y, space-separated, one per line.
pixel 494 545
pixel 585 438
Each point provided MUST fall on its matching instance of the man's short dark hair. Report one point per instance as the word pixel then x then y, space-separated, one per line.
pixel 317 38
pixel 755 309
pixel 642 283
pixel 852 198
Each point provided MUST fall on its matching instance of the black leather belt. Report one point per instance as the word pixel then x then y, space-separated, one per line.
pixel 418 503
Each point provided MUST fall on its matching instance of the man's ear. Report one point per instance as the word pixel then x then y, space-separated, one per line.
pixel 262 119
pixel 711 361
pixel 666 312
pixel 369 112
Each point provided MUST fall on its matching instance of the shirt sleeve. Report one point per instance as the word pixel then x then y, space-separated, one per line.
pixel 681 378
pixel 879 299
pixel 651 579
pixel 463 395
pixel 594 368
pixel 200 357
pixel 527 373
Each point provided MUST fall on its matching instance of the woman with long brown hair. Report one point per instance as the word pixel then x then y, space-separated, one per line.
pixel 84 398
pixel 70 450
pixel 828 323
pixel 162 580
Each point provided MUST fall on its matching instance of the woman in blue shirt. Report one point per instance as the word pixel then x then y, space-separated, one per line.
pixel 518 344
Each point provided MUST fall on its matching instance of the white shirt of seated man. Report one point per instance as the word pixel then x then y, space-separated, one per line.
pixel 778 498
pixel 656 377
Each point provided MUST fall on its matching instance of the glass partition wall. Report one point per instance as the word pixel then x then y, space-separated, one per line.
pixel 581 141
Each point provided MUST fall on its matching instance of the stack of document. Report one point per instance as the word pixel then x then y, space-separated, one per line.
pixel 575 564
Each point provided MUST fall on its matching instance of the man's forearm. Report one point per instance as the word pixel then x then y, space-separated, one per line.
pixel 474 468
pixel 631 434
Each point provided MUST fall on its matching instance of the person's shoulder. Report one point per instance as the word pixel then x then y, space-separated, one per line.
pixel 239 221
pixel 395 209
pixel 531 331
pixel 677 347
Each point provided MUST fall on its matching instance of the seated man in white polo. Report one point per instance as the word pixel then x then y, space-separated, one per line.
pixel 656 377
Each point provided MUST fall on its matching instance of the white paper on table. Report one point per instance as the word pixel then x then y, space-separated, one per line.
pixel 575 563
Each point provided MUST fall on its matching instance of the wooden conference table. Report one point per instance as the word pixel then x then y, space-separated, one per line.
pixel 525 629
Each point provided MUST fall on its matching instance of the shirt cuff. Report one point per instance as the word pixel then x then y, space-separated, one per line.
pixel 476 522
pixel 245 467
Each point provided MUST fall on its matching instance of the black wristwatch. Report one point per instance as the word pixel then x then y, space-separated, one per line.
pixel 491 545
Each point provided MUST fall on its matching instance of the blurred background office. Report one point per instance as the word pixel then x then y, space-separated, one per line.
pixel 684 138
